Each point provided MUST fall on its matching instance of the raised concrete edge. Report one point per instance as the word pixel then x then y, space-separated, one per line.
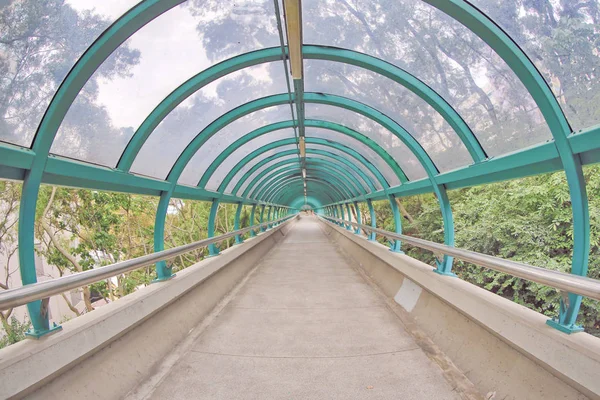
pixel 574 358
pixel 29 364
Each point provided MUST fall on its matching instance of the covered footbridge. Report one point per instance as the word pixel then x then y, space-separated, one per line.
pixel 303 110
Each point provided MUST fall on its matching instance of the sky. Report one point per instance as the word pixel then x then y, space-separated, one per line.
pixel 171 52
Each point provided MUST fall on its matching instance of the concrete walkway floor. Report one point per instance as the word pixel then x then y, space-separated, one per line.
pixel 305 325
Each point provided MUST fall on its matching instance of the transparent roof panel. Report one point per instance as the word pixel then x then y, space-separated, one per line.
pixel 40 42
pixel 259 171
pixel 155 60
pixel 252 190
pixel 445 155
pixel 243 151
pixel 416 116
pixel 561 38
pixel 361 148
pixel 313 161
pixel 346 156
pixel 232 132
pixel 442 53
pixel 357 177
pixel 273 176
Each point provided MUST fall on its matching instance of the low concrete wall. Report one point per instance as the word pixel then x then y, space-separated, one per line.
pixel 500 346
pixel 107 352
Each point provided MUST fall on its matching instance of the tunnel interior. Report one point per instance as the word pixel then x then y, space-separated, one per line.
pixel 299 105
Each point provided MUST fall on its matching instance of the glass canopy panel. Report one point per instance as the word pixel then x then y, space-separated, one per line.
pixel 443 156
pixel 154 61
pixel 361 148
pixel 414 114
pixel 346 156
pixel 442 53
pixel 232 132
pixel 259 171
pixel 357 177
pixel 313 159
pixel 274 175
pixel 243 151
pixel 561 38
pixel 40 42
pixel 160 150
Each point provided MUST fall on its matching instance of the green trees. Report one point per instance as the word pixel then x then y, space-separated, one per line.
pixel 39 43
pixel 80 229
pixel 526 220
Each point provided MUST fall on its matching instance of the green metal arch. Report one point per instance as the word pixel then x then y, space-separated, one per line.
pixel 294 182
pixel 294 189
pixel 350 181
pixel 341 179
pixel 299 196
pixel 310 200
pixel 319 98
pixel 538 88
pixel 285 142
pixel 325 175
pixel 271 146
pixel 145 11
pixel 307 123
pixel 255 167
pixel 333 164
pixel 342 188
pixel 355 155
pixel 325 188
pixel 309 52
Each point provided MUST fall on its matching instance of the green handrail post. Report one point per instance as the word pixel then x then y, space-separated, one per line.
pixel 349 226
pixel 396 244
pixel 262 218
pixel 236 222
pixel 163 271
pixel 269 216
pixel 373 216
pixel 252 212
pixel 358 218
pixel 213 250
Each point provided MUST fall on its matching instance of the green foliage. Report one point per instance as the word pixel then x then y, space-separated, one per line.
pixel 527 220
pixel 14 331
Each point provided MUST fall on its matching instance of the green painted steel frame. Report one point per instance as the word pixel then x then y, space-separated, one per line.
pixel 358 216
pixel 334 157
pixel 307 123
pixel 213 250
pixel 318 165
pixel 236 222
pixel 463 12
pixel 344 163
pixel 298 181
pixel 275 190
pixel 328 160
pixel 342 190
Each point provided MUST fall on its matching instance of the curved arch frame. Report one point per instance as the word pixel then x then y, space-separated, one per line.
pixel 319 164
pixel 355 156
pixel 256 153
pixel 271 146
pixel 463 12
pixel 345 187
pixel 260 180
pixel 321 178
pixel 307 123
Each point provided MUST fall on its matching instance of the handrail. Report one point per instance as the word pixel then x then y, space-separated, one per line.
pixel 41 290
pixel 559 280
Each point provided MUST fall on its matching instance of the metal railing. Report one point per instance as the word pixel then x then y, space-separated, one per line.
pixel 41 290
pixel 559 280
